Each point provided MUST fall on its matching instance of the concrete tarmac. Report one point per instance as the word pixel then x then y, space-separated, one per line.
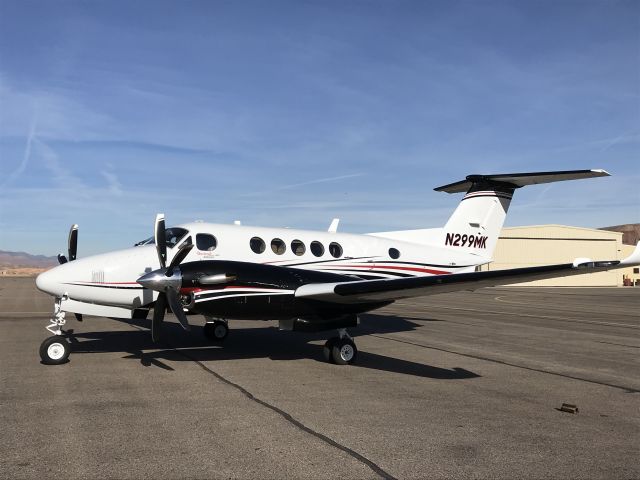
pixel 464 385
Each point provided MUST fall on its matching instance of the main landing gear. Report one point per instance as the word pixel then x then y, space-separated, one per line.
pixel 216 330
pixel 340 350
pixel 56 349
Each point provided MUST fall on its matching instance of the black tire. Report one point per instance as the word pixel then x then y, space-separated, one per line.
pixel 344 352
pixel 216 331
pixel 55 350
pixel 328 349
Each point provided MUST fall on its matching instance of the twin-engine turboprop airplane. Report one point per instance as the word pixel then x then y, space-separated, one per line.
pixel 307 280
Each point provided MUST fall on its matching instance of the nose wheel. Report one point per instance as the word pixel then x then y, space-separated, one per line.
pixel 340 350
pixel 55 350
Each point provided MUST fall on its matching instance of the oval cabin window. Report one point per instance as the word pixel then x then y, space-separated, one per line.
pixel 257 245
pixel 278 246
pixel 335 249
pixel 317 248
pixel 298 247
pixel 394 253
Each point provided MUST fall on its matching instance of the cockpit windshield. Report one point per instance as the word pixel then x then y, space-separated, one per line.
pixel 173 234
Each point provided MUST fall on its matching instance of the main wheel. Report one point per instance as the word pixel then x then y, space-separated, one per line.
pixel 344 351
pixel 327 349
pixel 55 350
pixel 216 331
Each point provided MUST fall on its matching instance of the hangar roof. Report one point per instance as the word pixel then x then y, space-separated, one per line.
pixel 559 231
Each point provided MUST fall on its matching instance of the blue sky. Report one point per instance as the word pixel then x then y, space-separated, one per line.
pixel 292 113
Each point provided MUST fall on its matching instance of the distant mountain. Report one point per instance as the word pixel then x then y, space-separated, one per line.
pixel 25 260
pixel 630 232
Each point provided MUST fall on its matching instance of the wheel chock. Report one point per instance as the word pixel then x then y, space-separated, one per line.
pixel 569 408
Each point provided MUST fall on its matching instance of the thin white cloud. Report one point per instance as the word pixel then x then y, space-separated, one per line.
pixel 61 176
pixel 114 185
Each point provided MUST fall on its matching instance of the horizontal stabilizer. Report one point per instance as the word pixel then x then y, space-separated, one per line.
pixel 517 180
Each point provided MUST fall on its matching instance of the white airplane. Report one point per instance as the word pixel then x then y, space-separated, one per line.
pixel 307 280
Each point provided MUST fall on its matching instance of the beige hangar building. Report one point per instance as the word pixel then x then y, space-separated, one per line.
pixel 549 244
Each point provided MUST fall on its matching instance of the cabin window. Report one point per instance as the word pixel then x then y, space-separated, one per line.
pixel 257 245
pixel 278 246
pixel 206 242
pixel 298 247
pixel 394 253
pixel 335 249
pixel 317 248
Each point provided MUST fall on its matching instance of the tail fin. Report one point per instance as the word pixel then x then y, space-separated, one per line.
pixel 476 223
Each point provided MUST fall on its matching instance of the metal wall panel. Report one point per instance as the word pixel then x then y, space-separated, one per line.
pixel 550 244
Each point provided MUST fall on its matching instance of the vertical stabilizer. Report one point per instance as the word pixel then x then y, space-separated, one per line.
pixel 475 224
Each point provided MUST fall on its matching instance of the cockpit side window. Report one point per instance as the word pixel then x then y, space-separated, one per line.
pixel 206 242
pixel 174 235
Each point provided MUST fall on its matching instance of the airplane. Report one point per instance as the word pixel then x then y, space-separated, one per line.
pixel 308 281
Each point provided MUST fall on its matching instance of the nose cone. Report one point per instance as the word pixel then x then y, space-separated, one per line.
pixel 49 282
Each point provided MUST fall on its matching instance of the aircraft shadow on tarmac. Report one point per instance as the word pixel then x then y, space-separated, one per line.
pixel 245 343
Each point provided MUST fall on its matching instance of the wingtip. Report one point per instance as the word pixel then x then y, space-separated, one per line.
pixel 601 172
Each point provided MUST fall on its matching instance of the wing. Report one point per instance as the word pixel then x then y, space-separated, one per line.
pixel 363 291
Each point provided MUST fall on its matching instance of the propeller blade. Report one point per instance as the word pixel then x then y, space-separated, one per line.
pixel 161 240
pixel 73 242
pixel 158 317
pixel 62 259
pixel 179 257
pixel 176 308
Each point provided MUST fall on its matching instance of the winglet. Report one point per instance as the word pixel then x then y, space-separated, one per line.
pixel 333 228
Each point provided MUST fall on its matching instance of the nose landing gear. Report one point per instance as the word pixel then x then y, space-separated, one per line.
pixel 340 350
pixel 56 349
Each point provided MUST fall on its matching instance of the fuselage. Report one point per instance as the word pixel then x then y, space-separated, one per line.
pixel 111 278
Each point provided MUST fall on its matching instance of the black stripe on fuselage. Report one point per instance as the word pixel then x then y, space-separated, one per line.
pixel 119 287
pixel 227 293
pixel 358 272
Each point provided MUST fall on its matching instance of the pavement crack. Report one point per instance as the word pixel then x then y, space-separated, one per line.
pixel 502 362
pixel 296 423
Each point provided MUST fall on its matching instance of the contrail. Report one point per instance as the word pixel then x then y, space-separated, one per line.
pixel 302 184
pixel 27 152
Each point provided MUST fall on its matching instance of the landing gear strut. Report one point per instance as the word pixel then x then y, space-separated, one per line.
pixel 340 350
pixel 216 330
pixel 56 349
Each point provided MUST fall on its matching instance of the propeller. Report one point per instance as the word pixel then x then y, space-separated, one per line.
pixel 72 246
pixel 72 250
pixel 166 280
pixel 73 242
